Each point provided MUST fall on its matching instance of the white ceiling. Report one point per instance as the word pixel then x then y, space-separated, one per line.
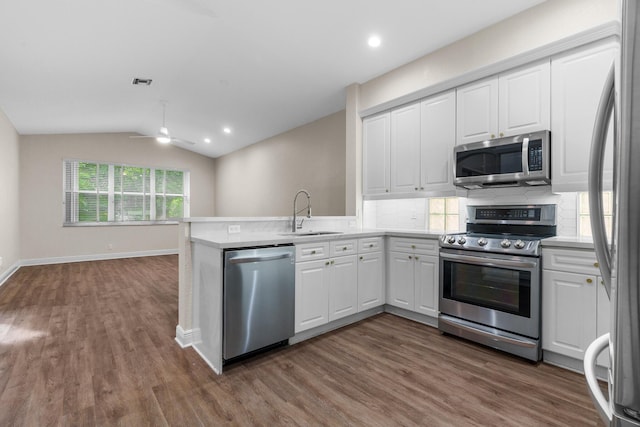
pixel 258 67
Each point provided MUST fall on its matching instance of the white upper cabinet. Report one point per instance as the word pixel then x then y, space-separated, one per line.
pixel 437 139
pixel 477 111
pixel 376 134
pixel 513 103
pixel 405 149
pixel 524 100
pixel 576 86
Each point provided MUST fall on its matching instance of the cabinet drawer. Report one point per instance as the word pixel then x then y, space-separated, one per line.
pixel 310 251
pixel 370 244
pixel 418 246
pixel 343 247
pixel 572 261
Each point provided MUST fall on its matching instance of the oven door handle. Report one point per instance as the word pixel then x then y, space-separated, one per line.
pixel 489 262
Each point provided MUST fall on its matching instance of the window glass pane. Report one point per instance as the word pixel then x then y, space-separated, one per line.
pixel 452 205
pixel 117 178
pixel 159 181
pixel 585 226
pixel 437 205
pixel 87 176
pixel 160 207
pixel 103 178
pixel 584 203
pixel 436 222
pixel 131 208
pixel 452 222
pixel 175 207
pixel 174 182
pixel 103 208
pixel 132 179
pixel 87 209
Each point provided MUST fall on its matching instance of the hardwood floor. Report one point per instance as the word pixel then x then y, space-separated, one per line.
pixel 92 344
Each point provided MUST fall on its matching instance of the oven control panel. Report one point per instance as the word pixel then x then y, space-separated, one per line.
pixel 488 243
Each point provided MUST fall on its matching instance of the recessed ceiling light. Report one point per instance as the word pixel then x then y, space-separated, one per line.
pixel 207 140
pixel 374 41
pixel 227 130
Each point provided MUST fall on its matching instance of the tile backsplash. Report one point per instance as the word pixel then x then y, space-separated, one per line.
pixel 411 214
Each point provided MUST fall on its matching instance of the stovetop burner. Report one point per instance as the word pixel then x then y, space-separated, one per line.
pixel 504 229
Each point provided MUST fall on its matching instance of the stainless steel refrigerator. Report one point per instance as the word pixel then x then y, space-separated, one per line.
pixel 619 258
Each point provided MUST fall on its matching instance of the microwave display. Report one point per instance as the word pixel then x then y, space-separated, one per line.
pixel 535 155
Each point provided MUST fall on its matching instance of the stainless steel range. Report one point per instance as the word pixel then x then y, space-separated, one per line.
pixel 490 277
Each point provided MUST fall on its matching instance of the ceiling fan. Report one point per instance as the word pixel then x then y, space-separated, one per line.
pixel 163 136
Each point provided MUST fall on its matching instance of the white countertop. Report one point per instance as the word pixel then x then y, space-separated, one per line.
pixel 568 242
pixel 224 240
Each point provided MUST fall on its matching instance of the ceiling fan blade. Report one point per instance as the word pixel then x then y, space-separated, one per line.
pixel 141 136
pixel 182 141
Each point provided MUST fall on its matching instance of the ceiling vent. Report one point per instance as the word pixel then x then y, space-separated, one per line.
pixel 141 82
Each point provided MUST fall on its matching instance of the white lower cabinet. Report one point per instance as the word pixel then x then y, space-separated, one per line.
pixel 413 275
pixel 575 306
pixel 370 280
pixel 339 284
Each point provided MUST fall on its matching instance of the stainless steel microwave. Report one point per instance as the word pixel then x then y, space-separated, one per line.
pixel 511 161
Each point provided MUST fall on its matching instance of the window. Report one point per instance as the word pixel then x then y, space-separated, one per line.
pixel 444 214
pixel 111 193
pixel 584 219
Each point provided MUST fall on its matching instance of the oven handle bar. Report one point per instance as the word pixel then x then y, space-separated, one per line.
pixel 489 262
pixel 485 334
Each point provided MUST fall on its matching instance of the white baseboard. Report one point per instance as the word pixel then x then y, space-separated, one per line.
pixel 184 338
pixel 207 361
pixel 9 272
pixel 96 257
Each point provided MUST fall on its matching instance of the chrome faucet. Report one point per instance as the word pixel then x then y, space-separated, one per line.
pixel 294 224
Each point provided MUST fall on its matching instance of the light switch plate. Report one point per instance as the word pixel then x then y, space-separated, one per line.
pixel 233 229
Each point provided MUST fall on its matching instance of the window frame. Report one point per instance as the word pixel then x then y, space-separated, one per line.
pixel 73 191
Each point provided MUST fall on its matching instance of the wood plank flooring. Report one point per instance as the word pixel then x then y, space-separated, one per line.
pixel 92 344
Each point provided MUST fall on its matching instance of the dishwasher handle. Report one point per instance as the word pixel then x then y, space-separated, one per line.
pixel 245 260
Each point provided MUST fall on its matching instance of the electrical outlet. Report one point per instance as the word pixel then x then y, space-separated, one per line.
pixel 233 229
pixel 110 246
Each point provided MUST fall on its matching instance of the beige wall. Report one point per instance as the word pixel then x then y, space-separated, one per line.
pixel 9 179
pixel 262 179
pixel 41 156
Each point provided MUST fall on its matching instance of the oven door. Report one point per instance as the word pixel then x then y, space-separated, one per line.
pixel 496 290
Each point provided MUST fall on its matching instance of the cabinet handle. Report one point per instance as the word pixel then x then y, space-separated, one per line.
pixel 313 252
pixel 422 188
pixel 332 261
pixel 415 188
pixel 589 281
pixel 326 263
pixel 596 264
pixel 361 258
pixel 493 135
pixel 413 246
pixel 344 249
pixel 417 258
pixel 386 190
pixel 410 257
pixel 370 245
pixel 501 134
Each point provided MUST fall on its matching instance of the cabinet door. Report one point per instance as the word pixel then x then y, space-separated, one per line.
pixel 603 321
pixel 405 149
pixel 524 100
pixel 312 294
pixel 576 86
pixel 477 111
pixel 437 139
pixel 568 312
pixel 343 287
pixel 426 285
pixel 400 286
pixel 376 138
pixel 370 281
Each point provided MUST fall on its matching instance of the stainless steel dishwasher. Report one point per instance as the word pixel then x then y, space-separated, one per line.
pixel 259 298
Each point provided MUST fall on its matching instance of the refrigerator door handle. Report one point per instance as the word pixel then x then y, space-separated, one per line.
pixel 596 161
pixel 590 356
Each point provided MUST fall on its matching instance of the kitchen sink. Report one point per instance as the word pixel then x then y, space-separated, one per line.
pixel 310 233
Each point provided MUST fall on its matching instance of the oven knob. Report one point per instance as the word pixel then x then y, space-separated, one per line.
pixel 462 240
pixel 482 241
pixel 519 244
pixel 505 243
pixel 451 239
